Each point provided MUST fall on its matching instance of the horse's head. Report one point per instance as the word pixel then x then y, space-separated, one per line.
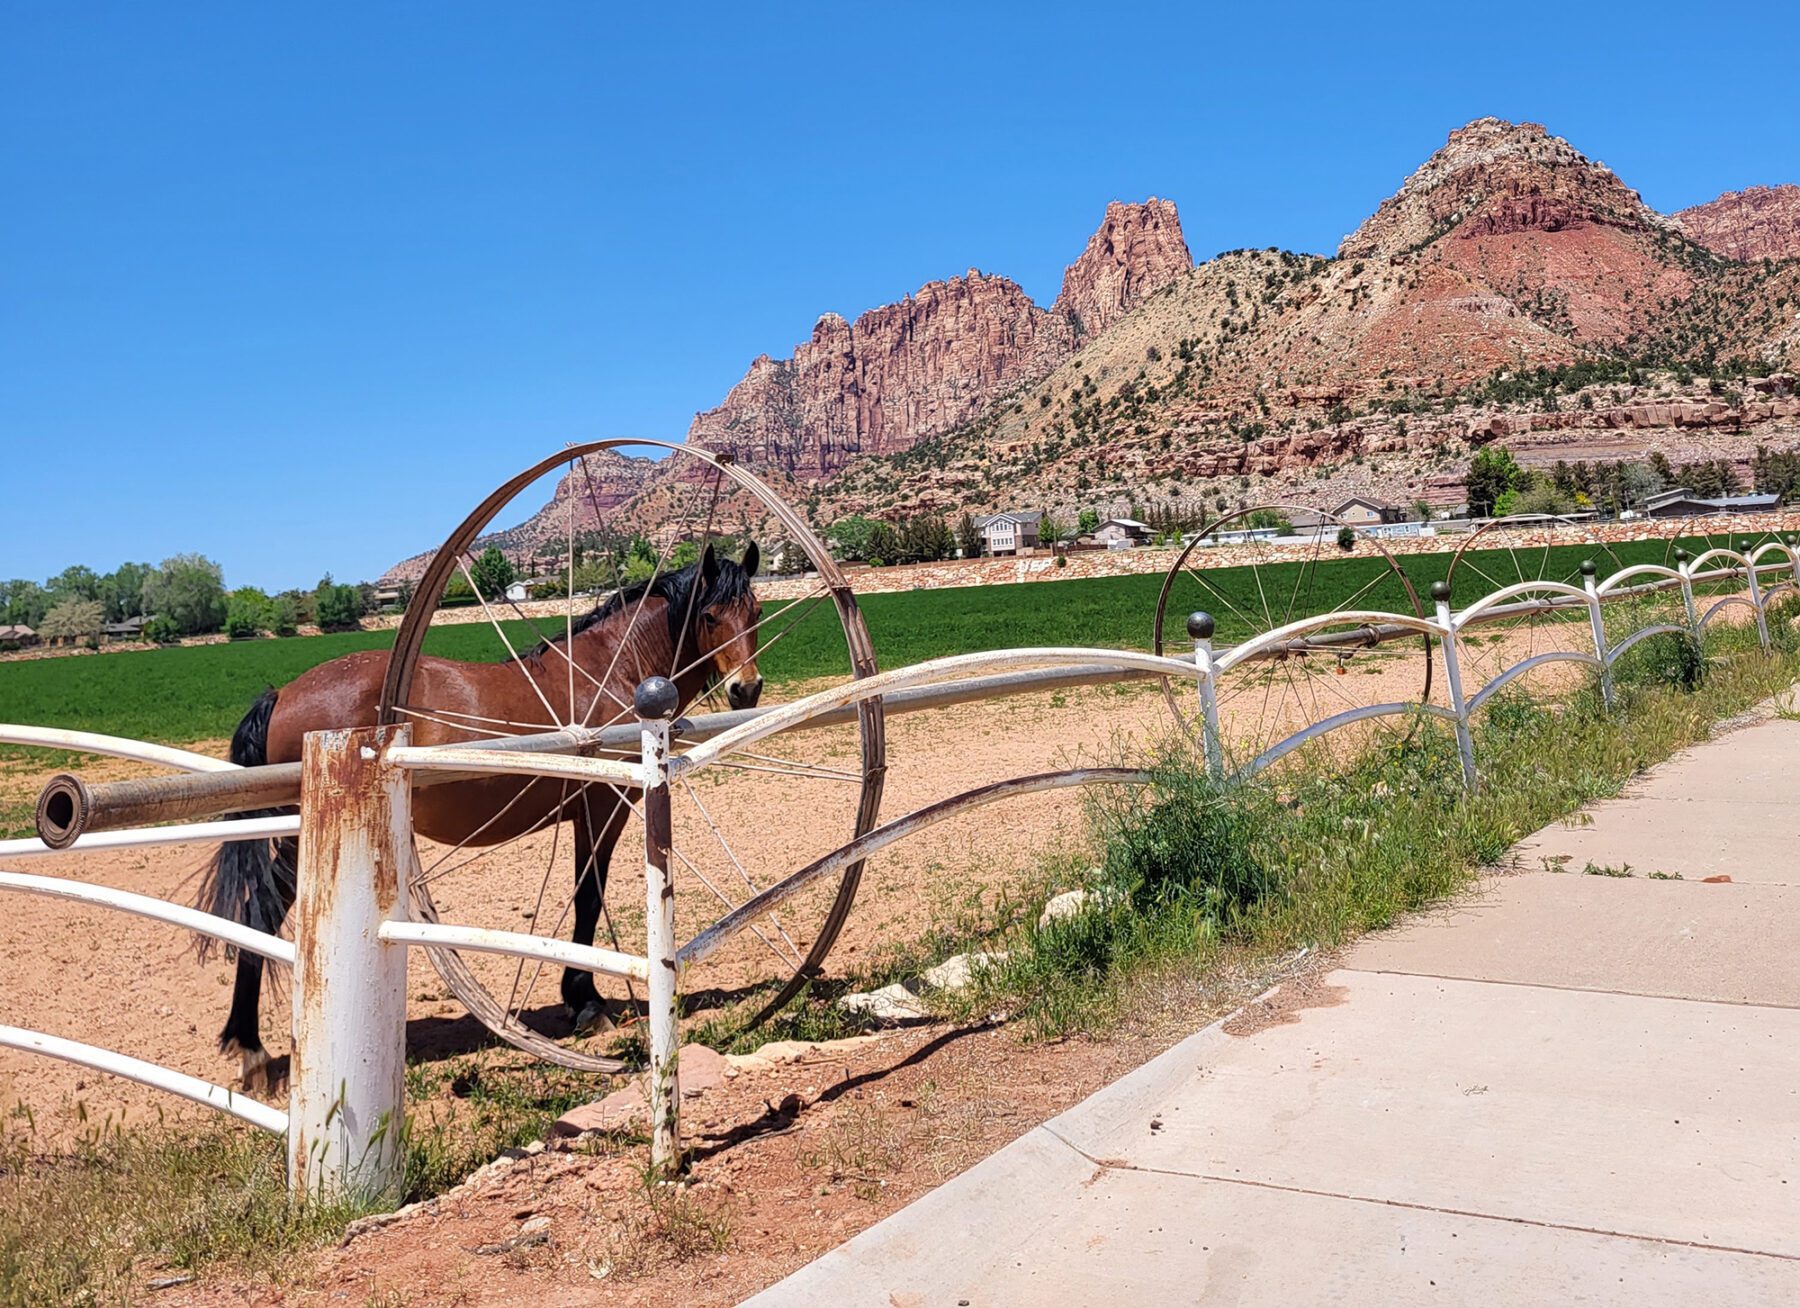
pixel 726 625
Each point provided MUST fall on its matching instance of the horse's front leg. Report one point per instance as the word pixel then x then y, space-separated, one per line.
pixel 595 835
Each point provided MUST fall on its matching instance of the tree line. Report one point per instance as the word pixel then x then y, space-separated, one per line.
pixel 1497 485
pixel 184 595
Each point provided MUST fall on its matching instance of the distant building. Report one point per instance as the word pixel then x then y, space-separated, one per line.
pixel 1680 502
pixel 1122 533
pixel 1008 533
pixel 129 629
pixel 1363 511
pixel 17 636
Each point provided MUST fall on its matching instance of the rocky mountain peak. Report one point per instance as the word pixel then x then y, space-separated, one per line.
pixel 1138 250
pixel 1493 177
pixel 1762 222
pixel 936 358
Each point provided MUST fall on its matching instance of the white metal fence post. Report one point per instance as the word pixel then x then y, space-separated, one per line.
pixel 1598 622
pixel 656 702
pixel 347 1081
pixel 1756 595
pixel 1465 739
pixel 1201 626
pixel 1685 568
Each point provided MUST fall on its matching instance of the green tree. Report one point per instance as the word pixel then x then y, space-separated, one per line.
pixel 337 607
pixel 1422 510
pixel 1346 538
pixel 1542 496
pixel 25 602
pixel 1087 522
pixel 247 611
pixel 73 619
pixel 188 590
pixel 884 544
pixel 1264 520
pixel 122 591
pixel 1050 530
pixel 284 614
pixel 968 540
pixel 1492 472
pixel 492 573
pixel 852 538
pixel 74 583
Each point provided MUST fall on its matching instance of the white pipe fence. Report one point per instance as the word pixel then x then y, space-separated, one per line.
pixel 344 1121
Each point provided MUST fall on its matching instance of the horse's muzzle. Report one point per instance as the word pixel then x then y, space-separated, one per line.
pixel 744 694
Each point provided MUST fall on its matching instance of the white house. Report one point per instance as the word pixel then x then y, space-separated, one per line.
pixel 1008 533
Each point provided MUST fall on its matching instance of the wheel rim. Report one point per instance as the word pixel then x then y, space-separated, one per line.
pixel 1526 549
pixel 1261 703
pixel 711 478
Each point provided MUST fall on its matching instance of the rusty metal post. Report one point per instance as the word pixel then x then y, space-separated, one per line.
pixel 1597 621
pixel 1200 626
pixel 656 702
pixel 1459 705
pixel 347 1097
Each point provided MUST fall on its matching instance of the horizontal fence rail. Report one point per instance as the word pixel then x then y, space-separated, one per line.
pixel 240 1106
pixel 235 934
pixel 516 944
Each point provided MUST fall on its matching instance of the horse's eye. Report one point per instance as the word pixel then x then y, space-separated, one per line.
pixel 712 619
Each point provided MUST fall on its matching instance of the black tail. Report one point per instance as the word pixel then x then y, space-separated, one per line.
pixel 252 881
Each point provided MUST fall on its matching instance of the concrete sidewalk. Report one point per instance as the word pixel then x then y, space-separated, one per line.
pixel 1570 1087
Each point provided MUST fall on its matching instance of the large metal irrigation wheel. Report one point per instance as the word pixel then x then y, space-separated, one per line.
pixel 1720 586
pixel 1334 664
pixel 732 832
pixel 1531 553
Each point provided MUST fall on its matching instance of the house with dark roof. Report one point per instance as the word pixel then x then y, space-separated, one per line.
pixel 1680 502
pixel 1008 533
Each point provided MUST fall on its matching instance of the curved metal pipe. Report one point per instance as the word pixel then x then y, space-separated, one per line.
pixel 709 940
pixel 239 1106
pixel 158 910
pixel 1521 668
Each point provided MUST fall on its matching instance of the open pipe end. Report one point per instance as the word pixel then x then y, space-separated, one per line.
pixel 63 810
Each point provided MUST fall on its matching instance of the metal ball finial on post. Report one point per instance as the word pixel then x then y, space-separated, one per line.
pixel 1200 626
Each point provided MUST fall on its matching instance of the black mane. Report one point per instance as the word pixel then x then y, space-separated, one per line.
pixel 678 587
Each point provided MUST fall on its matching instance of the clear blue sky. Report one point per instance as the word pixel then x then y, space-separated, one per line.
pixel 295 286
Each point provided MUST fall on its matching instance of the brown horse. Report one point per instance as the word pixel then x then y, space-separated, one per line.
pixel 697 624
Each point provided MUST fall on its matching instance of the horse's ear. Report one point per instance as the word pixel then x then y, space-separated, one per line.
pixel 709 565
pixel 752 560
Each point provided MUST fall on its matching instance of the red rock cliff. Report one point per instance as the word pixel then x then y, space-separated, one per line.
pixel 1138 250
pixel 933 361
pixel 1760 223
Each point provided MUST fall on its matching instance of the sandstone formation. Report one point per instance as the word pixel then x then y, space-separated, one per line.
pixel 1493 177
pixel 936 359
pixel 1138 250
pixel 1762 222
pixel 897 374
